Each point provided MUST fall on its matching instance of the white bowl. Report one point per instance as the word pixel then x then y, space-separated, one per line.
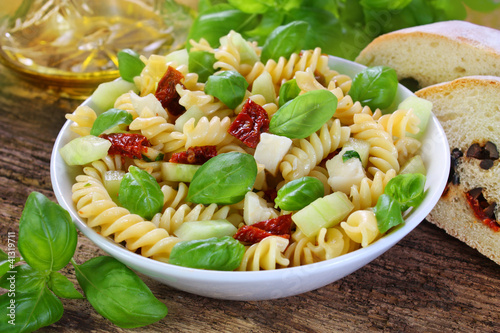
pixel 270 284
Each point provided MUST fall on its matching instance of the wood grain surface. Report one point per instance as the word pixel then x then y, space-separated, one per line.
pixel 428 282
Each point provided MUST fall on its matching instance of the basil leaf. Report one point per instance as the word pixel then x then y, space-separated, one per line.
pixel 223 179
pixel 375 87
pixel 140 193
pixel 288 91
pixel 401 192
pixel 407 189
pixel 303 115
pixel 213 25
pixel 202 63
pixel 385 4
pixel 388 213
pixel 110 119
pixel 6 262
pixel 130 64
pixel 284 40
pixel 223 254
pixel 299 193
pixel 3 255
pixel 28 312
pixel 252 7
pixel 229 87
pixel 4 267
pixel 24 279
pixel 350 154
pixel 47 235
pixel 270 21
pixel 118 294
pixel 482 5
pixel 62 286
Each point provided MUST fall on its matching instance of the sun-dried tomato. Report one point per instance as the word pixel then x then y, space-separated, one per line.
pixel 127 144
pixel 250 122
pixel 166 93
pixel 194 155
pixel 270 194
pixel 279 226
pixel 479 205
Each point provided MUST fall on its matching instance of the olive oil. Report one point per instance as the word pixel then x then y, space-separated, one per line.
pixel 71 45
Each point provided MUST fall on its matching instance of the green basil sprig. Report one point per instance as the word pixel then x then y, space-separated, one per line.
pixel 285 40
pixel 299 193
pixel 228 86
pixel 33 301
pixel 223 254
pixel 111 286
pixel 130 64
pixel 202 63
pixel 375 87
pixel 401 192
pixel 140 193
pixel 223 179
pixel 304 115
pixel 110 119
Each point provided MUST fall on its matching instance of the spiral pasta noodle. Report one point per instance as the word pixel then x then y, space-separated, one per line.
pixel 205 132
pixel 159 131
pixel 383 154
pixel 400 122
pixel 309 152
pixel 83 118
pixel 407 147
pixel 228 55
pixel 367 193
pixel 298 252
pixel 347 108
pixel 267 254
pixel 285 69
pixel 206 103
pixel 361 227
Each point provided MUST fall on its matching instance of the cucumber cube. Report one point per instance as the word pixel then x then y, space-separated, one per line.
pixel 422 109
pixel 178 172
pixel 112 180
pixel 205 229
pixel 414 165
pixel 105 95
pixel 324 212
pixel 85 149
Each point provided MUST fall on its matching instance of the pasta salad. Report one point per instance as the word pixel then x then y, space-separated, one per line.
pixel 230 159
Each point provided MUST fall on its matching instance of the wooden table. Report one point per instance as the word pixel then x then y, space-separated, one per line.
pixel 428 282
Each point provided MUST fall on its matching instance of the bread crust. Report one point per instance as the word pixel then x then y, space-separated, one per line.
pixel 468 108
pixel 437 52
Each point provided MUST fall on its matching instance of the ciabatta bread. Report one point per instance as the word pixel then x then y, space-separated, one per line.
pixel 468 108
pixel 436 52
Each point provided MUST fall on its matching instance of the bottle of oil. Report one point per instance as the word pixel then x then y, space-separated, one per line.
pixel 71 45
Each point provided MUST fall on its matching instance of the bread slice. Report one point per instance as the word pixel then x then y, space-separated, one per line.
pixel 436 52
pixel 468 108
